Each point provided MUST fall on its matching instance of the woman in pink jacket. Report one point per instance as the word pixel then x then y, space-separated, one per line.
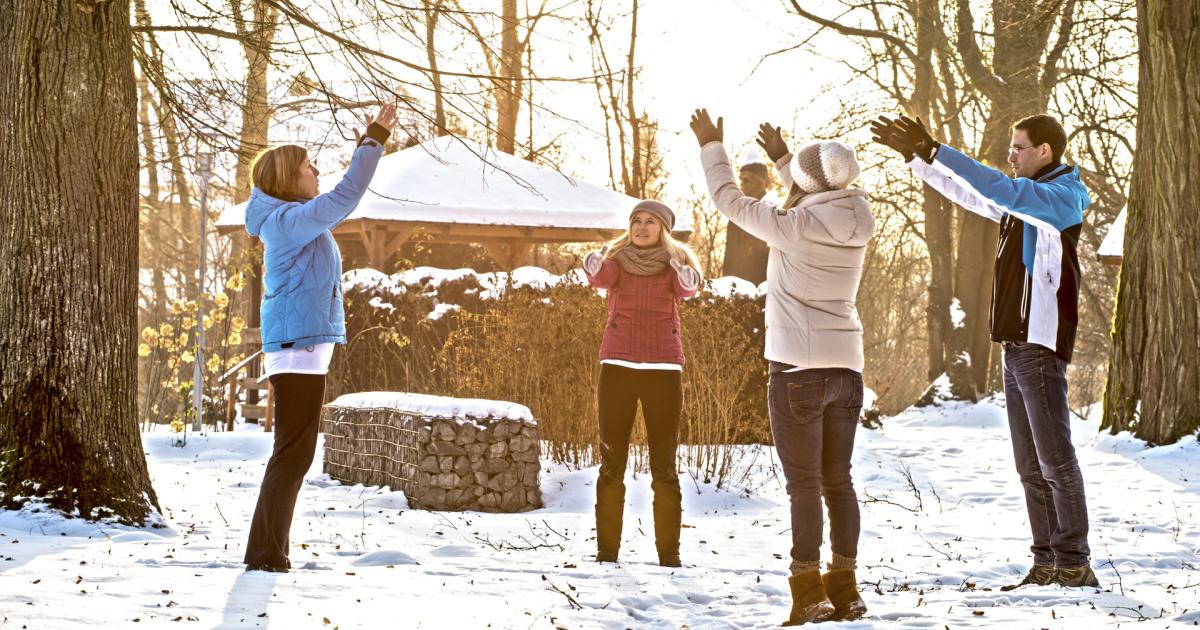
pixel 646 273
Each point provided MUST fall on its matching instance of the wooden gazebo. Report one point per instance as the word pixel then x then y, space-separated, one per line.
pixel 459 192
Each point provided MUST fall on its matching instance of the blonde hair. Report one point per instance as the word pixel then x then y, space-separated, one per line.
pixel 276 171
pixel 679 252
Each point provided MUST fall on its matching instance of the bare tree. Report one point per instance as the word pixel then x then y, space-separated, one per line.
pixel 970 82
pixel 68 425
pixel 630 135
pixel 1153 384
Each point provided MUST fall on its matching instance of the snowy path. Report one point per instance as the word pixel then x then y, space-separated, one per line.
pixel 365 560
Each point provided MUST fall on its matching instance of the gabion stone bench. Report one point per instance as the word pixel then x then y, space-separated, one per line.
pixel 443 453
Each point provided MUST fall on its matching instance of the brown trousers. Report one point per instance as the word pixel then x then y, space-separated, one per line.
pixel 298 400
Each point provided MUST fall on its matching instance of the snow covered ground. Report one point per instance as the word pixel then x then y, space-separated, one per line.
pixel 933 552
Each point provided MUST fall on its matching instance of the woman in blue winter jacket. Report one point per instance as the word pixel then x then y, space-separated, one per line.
pixel 301 313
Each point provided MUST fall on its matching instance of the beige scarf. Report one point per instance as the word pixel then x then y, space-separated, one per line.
pixel 650 261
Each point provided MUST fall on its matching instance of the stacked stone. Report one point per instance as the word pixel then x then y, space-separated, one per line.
pixel 489 465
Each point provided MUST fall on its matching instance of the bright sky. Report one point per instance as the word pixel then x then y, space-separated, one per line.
pixel 699 53
pixel 704 56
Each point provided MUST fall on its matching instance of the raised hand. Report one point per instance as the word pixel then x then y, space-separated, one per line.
pixel 884 131
pixel 593 261
pixel 385 117
pixel 771 140
pixel 916 135
pixel 689 278
pixel 704 128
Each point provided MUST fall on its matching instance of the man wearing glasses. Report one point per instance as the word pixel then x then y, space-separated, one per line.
pixel 1035 296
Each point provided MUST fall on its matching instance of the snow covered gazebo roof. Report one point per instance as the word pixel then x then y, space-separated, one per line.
pixel 1112 248
pixel 460 192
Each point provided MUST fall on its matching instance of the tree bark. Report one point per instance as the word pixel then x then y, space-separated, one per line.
pixel 636 187
pixel 69 211
pixel 1153 385
pixel 259 33
pixel 939 216
pixel 153 202
pixel 433 11
pixel 1015 88
pixel 508 100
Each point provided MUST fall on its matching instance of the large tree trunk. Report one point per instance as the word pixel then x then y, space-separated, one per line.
pixel 1015 86
pixel 433 10
pixel 508 96
pixel 153 203
pixel 258 32
pixel 1153 383
pixel 69 211
pixel 939 215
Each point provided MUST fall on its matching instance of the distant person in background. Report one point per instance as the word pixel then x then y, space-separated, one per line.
pixel 814 343
pixel 646 273
pixel 302 315
pixel 746 255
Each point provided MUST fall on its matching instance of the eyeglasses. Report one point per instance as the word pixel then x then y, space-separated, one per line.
pixel 1017 149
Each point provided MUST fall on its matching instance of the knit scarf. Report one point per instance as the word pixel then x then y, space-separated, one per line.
pixel 643 262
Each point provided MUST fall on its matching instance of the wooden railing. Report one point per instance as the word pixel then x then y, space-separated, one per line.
pixel 233 380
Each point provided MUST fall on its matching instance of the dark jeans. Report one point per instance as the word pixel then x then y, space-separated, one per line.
pixel 1035 394
pixel 814 415
pixel 298 399
pixel 661 394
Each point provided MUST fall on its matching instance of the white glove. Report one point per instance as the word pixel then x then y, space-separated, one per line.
pixel 593 261
pixel 689 278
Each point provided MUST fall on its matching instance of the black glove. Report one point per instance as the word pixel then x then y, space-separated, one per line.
pixel 884 131
pixel 907 136
pixel 771 140
pixel 704 128
pixel 917 136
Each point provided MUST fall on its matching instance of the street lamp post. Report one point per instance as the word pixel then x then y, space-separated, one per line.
pixel 204 165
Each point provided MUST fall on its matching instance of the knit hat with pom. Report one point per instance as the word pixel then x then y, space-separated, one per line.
pixel 823 166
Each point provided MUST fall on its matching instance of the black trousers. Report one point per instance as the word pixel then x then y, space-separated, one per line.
pixel 298 400
pixel 661 395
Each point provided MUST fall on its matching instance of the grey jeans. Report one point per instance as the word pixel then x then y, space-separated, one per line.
pixel 1035 395
pixel 814 416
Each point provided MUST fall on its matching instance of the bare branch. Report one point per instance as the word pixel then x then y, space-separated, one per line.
pixel 982 76
pixel 1065 26
pixel 856 32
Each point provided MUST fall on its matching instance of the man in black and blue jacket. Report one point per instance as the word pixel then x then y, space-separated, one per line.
pixel 1035 296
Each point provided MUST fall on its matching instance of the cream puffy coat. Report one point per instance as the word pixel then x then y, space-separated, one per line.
pixel 813 269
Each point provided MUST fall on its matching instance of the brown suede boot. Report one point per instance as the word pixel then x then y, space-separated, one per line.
pixel 810 604
pixel 842 588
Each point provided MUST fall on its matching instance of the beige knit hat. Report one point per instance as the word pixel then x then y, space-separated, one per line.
pixel 822 166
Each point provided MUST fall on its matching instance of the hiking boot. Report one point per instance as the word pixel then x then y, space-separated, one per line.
pixel 669 560
pixel 269 568
pixel 1039 575
pixel 1076 577
pixel 810 604
pixel 842 589
pixel 606 556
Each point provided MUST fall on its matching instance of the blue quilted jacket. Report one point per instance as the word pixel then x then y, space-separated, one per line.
pixel 302 266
